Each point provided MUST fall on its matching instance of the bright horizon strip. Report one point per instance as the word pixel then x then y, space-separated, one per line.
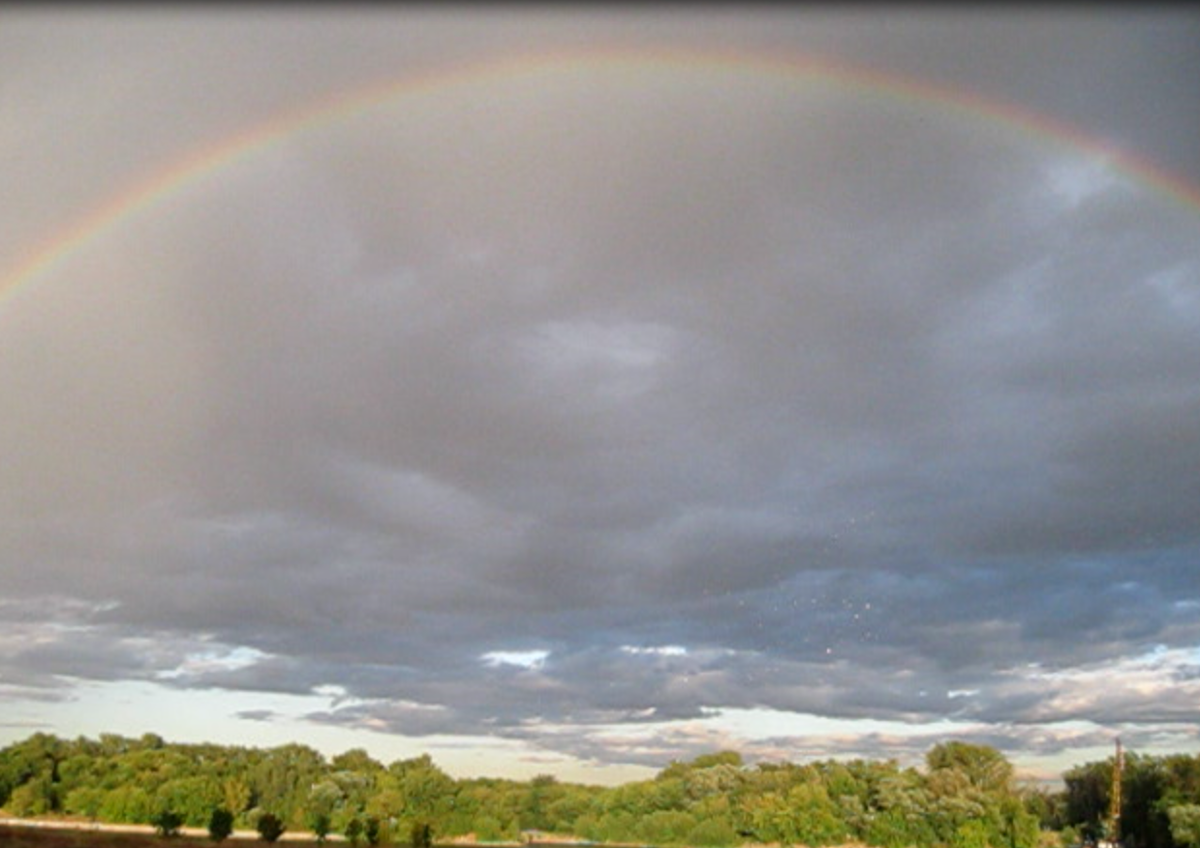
pixel 159 185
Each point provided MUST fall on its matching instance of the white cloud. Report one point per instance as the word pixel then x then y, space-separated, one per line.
pixel 214 660
pixel 521 659
pixel 658 650
pixel 1076 179
pixel 617 360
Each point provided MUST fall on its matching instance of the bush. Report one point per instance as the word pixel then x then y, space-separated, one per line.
pixel 84 801
pixel 712 833
pixel 1185 823
pixel 128 804
pixel 487 829
pixel 666 827
pixel 319 823
pixel 167 823
pixel 971 834
pixel 270 827
pixel 220 824
pixel 35 798
pixel 371 830
pixel 421 835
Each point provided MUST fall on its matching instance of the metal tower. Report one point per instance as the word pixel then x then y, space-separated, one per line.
pixel 1114 809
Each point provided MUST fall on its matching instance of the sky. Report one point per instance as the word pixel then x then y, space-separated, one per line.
pixel 571 390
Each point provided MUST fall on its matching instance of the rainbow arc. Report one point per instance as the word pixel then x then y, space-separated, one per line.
pixel 143 195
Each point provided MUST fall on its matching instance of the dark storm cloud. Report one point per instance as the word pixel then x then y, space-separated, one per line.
pixel 689 391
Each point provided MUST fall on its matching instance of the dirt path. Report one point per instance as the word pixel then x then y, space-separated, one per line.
pixel 102 827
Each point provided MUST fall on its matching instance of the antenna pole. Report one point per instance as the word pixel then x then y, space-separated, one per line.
pixel 1114 810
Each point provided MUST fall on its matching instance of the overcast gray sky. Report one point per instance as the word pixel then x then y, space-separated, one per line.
pixel 603 412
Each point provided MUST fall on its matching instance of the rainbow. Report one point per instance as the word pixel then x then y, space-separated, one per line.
pixel 144 194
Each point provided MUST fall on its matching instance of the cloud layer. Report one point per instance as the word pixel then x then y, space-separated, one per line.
pixel 590 405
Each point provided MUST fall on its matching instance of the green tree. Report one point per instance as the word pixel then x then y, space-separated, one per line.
pixel 1047 806
pixel 1014 825
pixel 487 829
pixel 356 760
pixel 270 827
pixel 428 791
pixel 1087 792
pixel 32 798
pixel 712 833
pixel 1182 779
pixel 985 767
pixel 903 811
pixel 220 824
pixel 283 776
pixel 167 823
pixel 540 793
pixel 387 803
pixel 193 797
pixel 421 835
pixel 126 804
pixel 1144 821
pixel 319 822
pixel 815 819
pixel 971 834
pixel 616 826
pixel 235 792
pixel 722 778
pixel 37 760
pixel 720 758
pixel 1185 824
pixel 574 802
pixel 151 742
pixel 666 827
pixel 84 801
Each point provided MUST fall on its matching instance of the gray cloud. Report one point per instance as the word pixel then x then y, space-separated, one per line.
pixel 719 389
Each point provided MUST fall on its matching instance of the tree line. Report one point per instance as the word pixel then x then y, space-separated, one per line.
pixel 965 796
